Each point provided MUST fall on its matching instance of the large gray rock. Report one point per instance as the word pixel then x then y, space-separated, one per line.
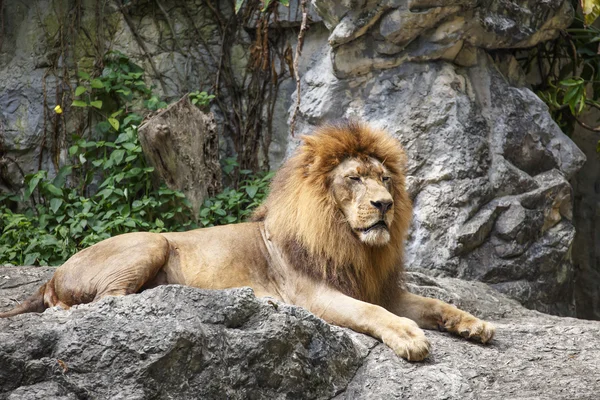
pixel 488 167
pixel 373 34
pixel 179 342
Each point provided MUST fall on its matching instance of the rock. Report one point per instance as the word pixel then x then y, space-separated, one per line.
pixel 175 342
pixel 180 342
pixel 367 35
pixel 477 139
pixel 488 170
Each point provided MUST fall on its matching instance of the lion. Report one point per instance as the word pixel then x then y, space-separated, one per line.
pixel 329 238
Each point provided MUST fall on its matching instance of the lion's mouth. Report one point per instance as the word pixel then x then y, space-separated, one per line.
pixel 378 225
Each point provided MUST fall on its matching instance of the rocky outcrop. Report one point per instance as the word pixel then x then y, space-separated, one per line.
pixel 367 35
pixel 488 168
pixel 180 342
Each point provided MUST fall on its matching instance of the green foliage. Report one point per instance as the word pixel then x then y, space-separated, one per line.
pixel 201 99
pixel 231 205
pixel 65 220
pixel 107 187
pixel 569 67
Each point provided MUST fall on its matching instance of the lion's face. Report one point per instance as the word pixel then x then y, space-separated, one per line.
pixel 362 190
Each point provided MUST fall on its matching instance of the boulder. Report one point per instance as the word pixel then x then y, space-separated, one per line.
pixel 181 342
pixel 488 168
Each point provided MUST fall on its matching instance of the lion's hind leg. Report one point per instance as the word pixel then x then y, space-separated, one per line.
pixel 117 266
pixel 435 314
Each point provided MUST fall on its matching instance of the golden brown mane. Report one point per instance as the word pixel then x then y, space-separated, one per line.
pixel 302 217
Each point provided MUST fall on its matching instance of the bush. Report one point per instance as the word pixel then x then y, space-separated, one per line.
pixel 107 188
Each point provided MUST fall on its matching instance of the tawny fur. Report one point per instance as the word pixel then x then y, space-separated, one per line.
pixel 306 246
pixel 300 211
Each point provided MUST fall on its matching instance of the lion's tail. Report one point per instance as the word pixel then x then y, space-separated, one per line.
pixel 34 303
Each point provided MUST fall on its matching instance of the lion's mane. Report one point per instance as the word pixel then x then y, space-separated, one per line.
pixel 302 217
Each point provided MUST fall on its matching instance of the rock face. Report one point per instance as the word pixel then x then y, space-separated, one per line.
pixel 488 168
pixel 186 343
pixel 384 34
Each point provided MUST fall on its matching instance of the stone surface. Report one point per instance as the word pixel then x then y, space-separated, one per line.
pixel 488 171
pixel 177 43
pixel 178 342
pixel 367 35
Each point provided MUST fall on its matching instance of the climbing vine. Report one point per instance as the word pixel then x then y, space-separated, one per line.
pixel 569 69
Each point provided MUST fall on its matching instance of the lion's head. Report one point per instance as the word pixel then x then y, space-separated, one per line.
pixel 340 206
pixel 361 188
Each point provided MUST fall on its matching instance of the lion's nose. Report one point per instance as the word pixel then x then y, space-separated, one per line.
pixel 382 205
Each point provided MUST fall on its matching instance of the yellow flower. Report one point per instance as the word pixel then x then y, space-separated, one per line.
pixel 58 109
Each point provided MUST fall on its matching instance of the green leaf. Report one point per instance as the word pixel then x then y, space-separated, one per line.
pixel 34 182
pixel 97 83
pixel 105 193
pixel 251 190
pixel 53 190
pixel 73 150
pixel 123 137
pixel 79 103
pixel 80 90
pixel 571 95
pixel 114 123
pixel 61 177
pixel 572 82
pixel 129 146
pixel 83 75
pixel 55 204
pixel 97 104
pixel 159 223
pixel 31 258
pixel 117 156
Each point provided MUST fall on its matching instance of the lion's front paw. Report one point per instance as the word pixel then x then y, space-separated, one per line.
pixel 407 340
pixel 475 329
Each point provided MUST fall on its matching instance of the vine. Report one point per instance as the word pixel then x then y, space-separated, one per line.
pixel 569 69
pixel 106 187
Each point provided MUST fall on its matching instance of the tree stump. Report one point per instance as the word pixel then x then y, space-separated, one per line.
pixel 182 145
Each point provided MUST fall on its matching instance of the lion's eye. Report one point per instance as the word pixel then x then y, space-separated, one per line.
pixel 354 178
pixel 385 178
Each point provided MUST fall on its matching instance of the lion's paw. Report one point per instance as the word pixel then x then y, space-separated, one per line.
pixel 408 341
pixel 475 329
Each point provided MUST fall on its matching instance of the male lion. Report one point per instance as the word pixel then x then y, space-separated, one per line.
pixel 329 238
